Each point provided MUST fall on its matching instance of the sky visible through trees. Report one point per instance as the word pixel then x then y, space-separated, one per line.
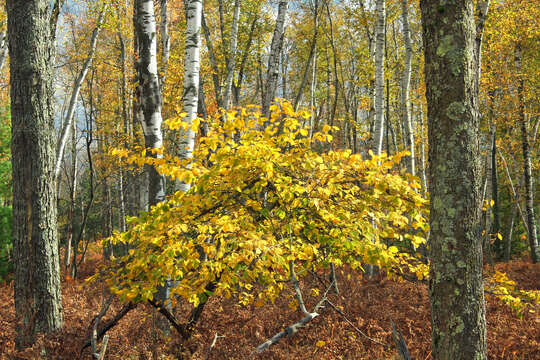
pixel 189 156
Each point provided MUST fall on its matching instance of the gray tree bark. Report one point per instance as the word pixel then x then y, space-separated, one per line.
pixel 527 172
pixel 405 85
pixel 231 64
pixel 455 285
pixel 272 74
pixel 38 303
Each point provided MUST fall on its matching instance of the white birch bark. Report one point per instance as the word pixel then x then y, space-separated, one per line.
pixel 232 55
pixel 149 92
pixel 191 80
pixel 273 58
pixel 378 128
pixel 3 48
pixel 405 85
pixel 75 93
pixel 165 40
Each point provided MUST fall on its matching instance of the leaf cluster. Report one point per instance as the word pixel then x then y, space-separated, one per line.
pixel 261 200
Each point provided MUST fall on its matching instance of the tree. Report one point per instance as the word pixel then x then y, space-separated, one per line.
pixel 377 137
pixel 38 302
pixel 456 286
pixel 405 85
pixel 150 103
pixel 273 58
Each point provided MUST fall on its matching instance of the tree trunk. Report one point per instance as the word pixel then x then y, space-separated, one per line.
pixel 38 303
pixel 191 80
pixel 311 56
pixel 405 84
pixel 455 285
pixel 231 64
pixel 527 174
pixel 165 41
pixel 378 128
pixel 150 94
pixel 213 62
pixel 3 48
pixel 73 195
pixel 272 74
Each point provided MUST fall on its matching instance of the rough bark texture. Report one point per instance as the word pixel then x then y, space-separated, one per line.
pixel 38 304
pixel 273 58
pixel 149 93
pixel 527 173
pixel 455 285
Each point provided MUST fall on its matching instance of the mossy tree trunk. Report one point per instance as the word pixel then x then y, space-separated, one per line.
pixel 38 303
pixel 455 285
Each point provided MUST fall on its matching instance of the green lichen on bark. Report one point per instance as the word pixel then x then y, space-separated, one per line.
pixel 456 292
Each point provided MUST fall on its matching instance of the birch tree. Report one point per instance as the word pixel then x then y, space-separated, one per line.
pixel 272 73
pixel 38 303
pixel 527 172
pixel 378 128
pixel 191 80
pixel 456 285
pixel 405 84
pixel 232 55
pixel 149 93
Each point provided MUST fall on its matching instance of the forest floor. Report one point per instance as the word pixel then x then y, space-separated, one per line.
pixel 237 330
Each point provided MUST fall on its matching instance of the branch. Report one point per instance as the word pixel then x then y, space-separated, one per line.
pixel 354 326
pixel 54 17
pixel 180 328
pixel 111 323
pixel 290 330
pixel 104 307
pixel 76 89
pixel 400 343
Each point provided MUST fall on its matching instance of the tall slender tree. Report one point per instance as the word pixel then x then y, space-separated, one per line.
pixel 38 303
pixel 378 128
pixel 405 85
pixel 273 58
pixel 455 285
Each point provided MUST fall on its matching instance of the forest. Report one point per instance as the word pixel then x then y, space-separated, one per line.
pixel 283 179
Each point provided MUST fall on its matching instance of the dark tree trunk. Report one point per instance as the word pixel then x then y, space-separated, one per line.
pixel 455 285
pixel 38 304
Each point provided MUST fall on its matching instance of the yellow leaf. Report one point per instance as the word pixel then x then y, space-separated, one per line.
pixel 320 343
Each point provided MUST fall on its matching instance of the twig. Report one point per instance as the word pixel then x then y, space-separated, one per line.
pixel 213 344
pixel 354 326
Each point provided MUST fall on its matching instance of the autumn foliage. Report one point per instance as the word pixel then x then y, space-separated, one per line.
pixel 266 202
